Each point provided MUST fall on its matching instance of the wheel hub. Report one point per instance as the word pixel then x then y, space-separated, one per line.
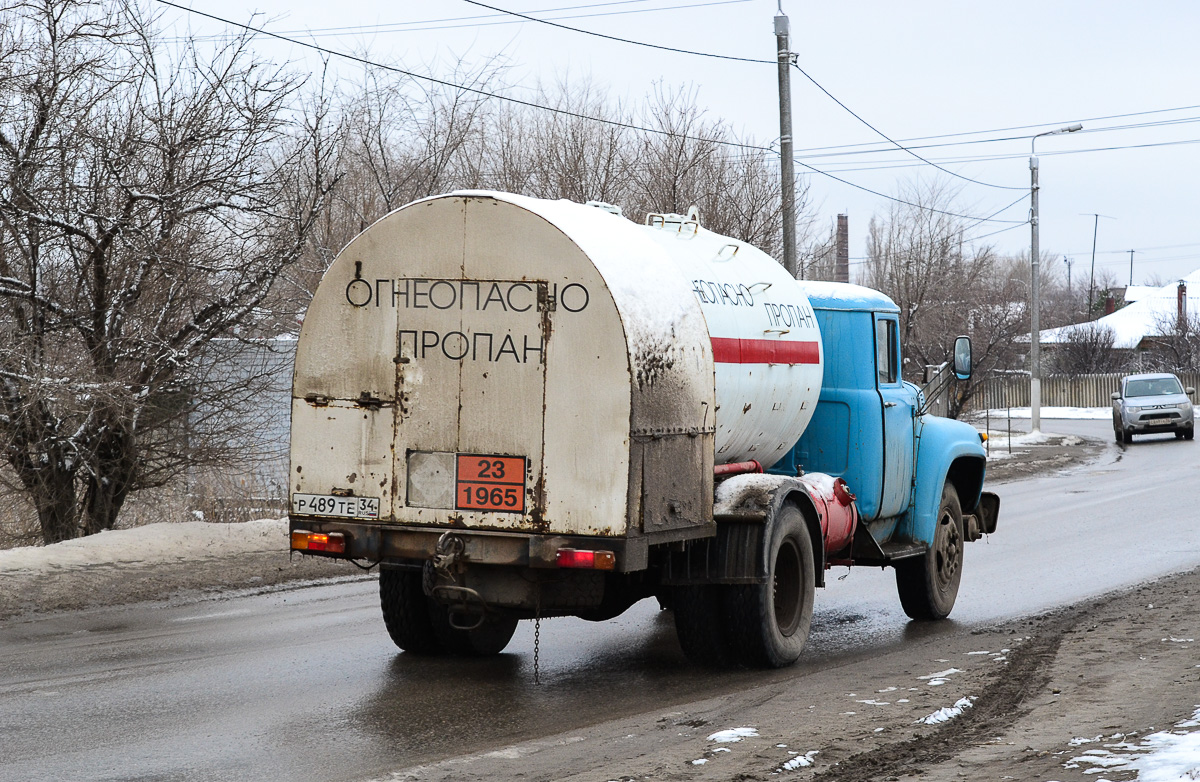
pixel 786 588
pixel 948 546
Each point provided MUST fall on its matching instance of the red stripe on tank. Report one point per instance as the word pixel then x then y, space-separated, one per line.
pixel 764 351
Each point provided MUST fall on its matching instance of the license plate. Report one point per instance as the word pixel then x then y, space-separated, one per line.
pixel 489 483
pixel 1157 421
pixel 340 507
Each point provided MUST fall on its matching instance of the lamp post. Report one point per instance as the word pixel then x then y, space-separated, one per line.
pixel 1035 352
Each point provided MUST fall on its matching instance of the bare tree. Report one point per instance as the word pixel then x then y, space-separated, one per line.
pixel 148 202
pixel 562 154
pixel 1087 349
pixel 1175 344
pixel 945 286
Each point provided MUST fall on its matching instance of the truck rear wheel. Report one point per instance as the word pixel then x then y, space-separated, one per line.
pixel 769 622
pixel 420 625
pixel 406 611
pixel 700 625
pixel 489 638
pixel 928 585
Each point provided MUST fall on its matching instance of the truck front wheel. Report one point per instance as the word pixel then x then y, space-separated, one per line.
pixel 769 622
pixel 928 585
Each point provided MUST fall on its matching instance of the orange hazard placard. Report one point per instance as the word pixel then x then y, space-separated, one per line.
pixel 490 483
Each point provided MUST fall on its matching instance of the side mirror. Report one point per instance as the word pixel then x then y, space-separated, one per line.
pixel 1189 390
pixel 962 358
pixel 1116 395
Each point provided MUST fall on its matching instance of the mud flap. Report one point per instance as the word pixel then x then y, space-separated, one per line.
pixel 983 520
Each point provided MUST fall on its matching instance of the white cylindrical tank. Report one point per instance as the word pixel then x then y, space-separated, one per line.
pixel 489 361
pixel 767 348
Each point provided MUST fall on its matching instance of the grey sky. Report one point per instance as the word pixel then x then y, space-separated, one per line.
pixel 911 69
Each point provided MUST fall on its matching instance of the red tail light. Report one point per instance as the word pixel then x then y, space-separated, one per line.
pixel 588 560
pixel 331 543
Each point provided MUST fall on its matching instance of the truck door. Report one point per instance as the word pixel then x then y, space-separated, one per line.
pixel 898 410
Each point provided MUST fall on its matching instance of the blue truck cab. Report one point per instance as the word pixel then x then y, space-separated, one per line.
pixel 918 478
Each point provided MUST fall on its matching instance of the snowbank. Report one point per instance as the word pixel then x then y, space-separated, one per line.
pixel 153 543
pixel 1072 413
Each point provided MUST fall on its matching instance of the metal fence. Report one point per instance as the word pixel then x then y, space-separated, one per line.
pixel 1057 390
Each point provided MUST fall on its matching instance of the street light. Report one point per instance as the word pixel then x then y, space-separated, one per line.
pixel 1035 353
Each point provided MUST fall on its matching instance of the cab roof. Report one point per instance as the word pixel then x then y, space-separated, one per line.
pixel 846 296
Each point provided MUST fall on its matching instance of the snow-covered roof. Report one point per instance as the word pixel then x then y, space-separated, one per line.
pixel 1144 318
pixel 845 296
pixel 1138 292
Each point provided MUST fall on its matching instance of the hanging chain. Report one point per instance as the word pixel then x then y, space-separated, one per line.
pixel 537 635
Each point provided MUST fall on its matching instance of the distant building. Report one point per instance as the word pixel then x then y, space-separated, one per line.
pixel 1148 312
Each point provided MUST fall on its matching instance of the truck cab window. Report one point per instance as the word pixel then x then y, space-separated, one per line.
pixel 887 354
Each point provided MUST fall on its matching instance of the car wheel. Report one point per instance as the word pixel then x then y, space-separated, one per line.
pixel 1190 434
pixel 1120 436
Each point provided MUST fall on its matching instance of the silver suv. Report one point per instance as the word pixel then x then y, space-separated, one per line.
pixel 1152 403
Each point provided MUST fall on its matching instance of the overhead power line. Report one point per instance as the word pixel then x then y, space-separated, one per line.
pixel 854 114
pixel 902 201
pixel 551 109
pixel 1004 130
pixel 482 20
pixel 463 87
pixel 795 65
pixel 1001 139
pixel 894 164
pixel 615 38
pixel 1002 230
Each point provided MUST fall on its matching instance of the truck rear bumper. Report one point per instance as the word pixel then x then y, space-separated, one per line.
pixel 378 542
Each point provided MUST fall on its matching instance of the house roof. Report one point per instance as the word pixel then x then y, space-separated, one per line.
pixel 1144 318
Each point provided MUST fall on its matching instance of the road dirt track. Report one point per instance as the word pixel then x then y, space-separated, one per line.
pixel 1045 690
pixel 1042 690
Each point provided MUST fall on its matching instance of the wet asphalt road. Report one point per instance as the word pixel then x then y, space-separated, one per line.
pixel 305 685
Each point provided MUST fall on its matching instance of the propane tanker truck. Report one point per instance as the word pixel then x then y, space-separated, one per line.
pixel 522 408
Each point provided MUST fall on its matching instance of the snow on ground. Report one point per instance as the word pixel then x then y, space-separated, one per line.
pixel 799 761
pixel 1071 413
pixel 163 542
pixel 1000 446
pixel 949 712
pixel 1166 756
pixel 733 734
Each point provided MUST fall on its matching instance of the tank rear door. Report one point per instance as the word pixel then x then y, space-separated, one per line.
pixel 476 376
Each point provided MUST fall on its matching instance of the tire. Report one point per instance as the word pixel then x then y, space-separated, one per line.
pixel 928 585
pixel 422 626
pixel 1119 435
pixel 700 625
pixel 769 623
pixel 487 639
pixel 1190 434
pixel 406 611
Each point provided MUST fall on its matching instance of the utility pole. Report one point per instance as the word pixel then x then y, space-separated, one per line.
pixel 1067 260
pixel 787 173
pixel 1131 267
pixel 1092 276
pixel 1035 301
